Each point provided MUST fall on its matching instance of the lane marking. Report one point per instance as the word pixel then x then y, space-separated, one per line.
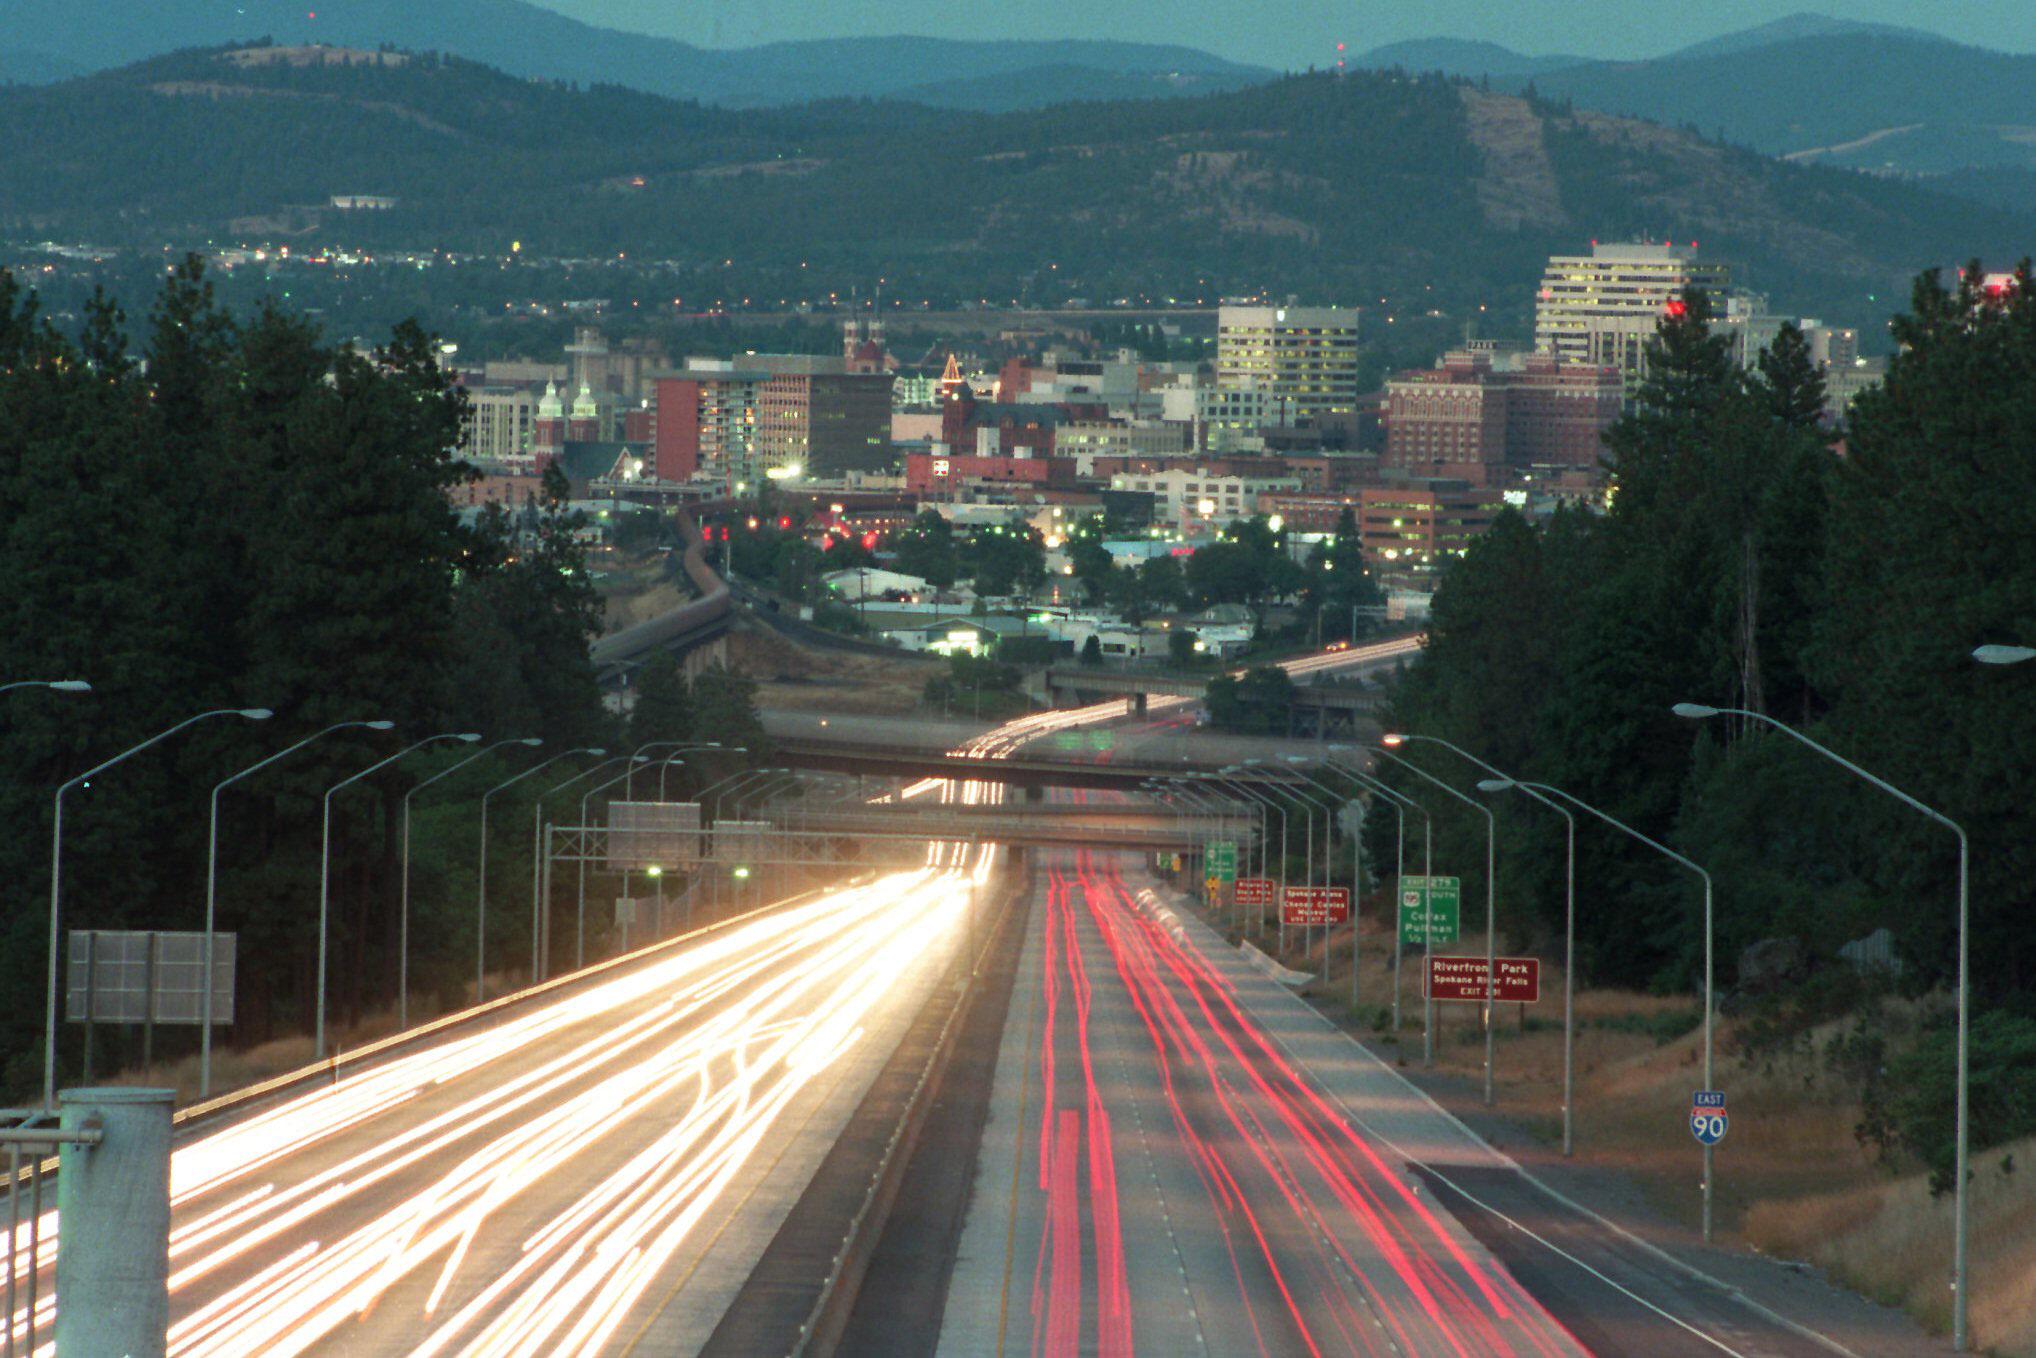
pixel 1728 1290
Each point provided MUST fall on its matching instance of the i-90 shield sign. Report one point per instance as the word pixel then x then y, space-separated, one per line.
pixel 1707 1116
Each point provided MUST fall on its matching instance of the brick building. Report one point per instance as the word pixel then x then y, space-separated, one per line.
pixel 1480 416
pixel 1411 529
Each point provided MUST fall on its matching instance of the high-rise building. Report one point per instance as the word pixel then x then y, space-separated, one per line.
pixel 1305 354
pixel 498 424
pixel 819 415
pixel 1479 415
pixel 1602 308
pixel 705 420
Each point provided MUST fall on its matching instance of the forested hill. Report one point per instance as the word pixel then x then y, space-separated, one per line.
pixel 1350 188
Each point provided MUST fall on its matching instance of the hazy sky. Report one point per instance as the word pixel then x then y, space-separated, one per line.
pixel 1289 33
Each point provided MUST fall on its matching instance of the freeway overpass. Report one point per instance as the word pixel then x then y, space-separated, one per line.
pixel 1033 773
pixel 1102 825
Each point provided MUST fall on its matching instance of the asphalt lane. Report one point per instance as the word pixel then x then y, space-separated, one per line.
pixel 1156 1177
pixel 597 1175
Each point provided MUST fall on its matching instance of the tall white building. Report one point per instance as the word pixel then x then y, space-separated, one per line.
pixel 1305 354
pixel 498 424
pixel 1602 308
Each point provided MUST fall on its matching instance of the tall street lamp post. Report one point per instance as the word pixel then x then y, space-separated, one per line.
pixel 403 922
pixel 580 926
pixel 1400 802
pixel 481 894
pixel 1710 1005
pixel 1227 778
pixel 1960 1232
pixel 56 878
pixel 1356 870
pixel 325 868
pixel 212 886
pixel 1491 909
pixel 539 878
pixel 1506 780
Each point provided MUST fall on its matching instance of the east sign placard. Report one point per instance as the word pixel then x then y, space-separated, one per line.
pixel 1307 905
pixel 1463 978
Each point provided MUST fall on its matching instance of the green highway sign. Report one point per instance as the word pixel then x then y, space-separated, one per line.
pixel 1431 909
pixel 1219 860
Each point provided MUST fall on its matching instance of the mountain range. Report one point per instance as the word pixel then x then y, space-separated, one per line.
pixel 54 39
pixel 1424 193
pixel 1871 97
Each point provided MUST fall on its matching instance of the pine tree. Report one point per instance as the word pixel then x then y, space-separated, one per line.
pixel 664 702
pixel 1788 383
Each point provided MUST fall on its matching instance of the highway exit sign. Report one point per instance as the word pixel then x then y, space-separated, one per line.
pixel 1220 860
pixel 1463 978
pixel 1255 891
pixel 1309 905
pixel 1431 909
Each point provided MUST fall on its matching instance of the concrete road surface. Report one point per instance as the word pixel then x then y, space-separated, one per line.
pixel 596 1175
pixel 1182 1158
pixel 1158 1177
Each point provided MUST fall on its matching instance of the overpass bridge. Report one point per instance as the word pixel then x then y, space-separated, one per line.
pixel 1318 708
pixel 1032 772
pixel 1142 828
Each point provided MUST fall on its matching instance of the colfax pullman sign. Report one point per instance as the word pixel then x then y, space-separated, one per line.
pixel 1306 905
pixel 1463 978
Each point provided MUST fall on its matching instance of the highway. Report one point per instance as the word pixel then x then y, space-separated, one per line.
pixel 596 1175
pixel 1160 1177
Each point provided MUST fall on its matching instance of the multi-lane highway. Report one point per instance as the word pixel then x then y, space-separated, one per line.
pixel 1159 1176
pixel 595 1175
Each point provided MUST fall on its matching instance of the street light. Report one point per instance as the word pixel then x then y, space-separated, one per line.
pixel 60 685
pixel 1709 994
pixel 1356 874
pixel 212 886
pixel 1502 783
pixel 758 790
pixel 1212 802
pixel 481 892
pixel 403 926
pixel 676 746
pixel 2004 655
pixel 1400 802
pixel 325 864
pixel 539 897
pixel 580 928
pixel 1227 777
pixel 1569 918
pixel 715 746
pixel 1491 907
pixel 1698 711
pixel 1199 795
pixel 56 879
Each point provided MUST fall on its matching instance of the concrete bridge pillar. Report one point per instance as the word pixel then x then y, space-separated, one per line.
pixel 1138 704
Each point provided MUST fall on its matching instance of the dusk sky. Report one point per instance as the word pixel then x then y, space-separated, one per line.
pixel 1288 33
